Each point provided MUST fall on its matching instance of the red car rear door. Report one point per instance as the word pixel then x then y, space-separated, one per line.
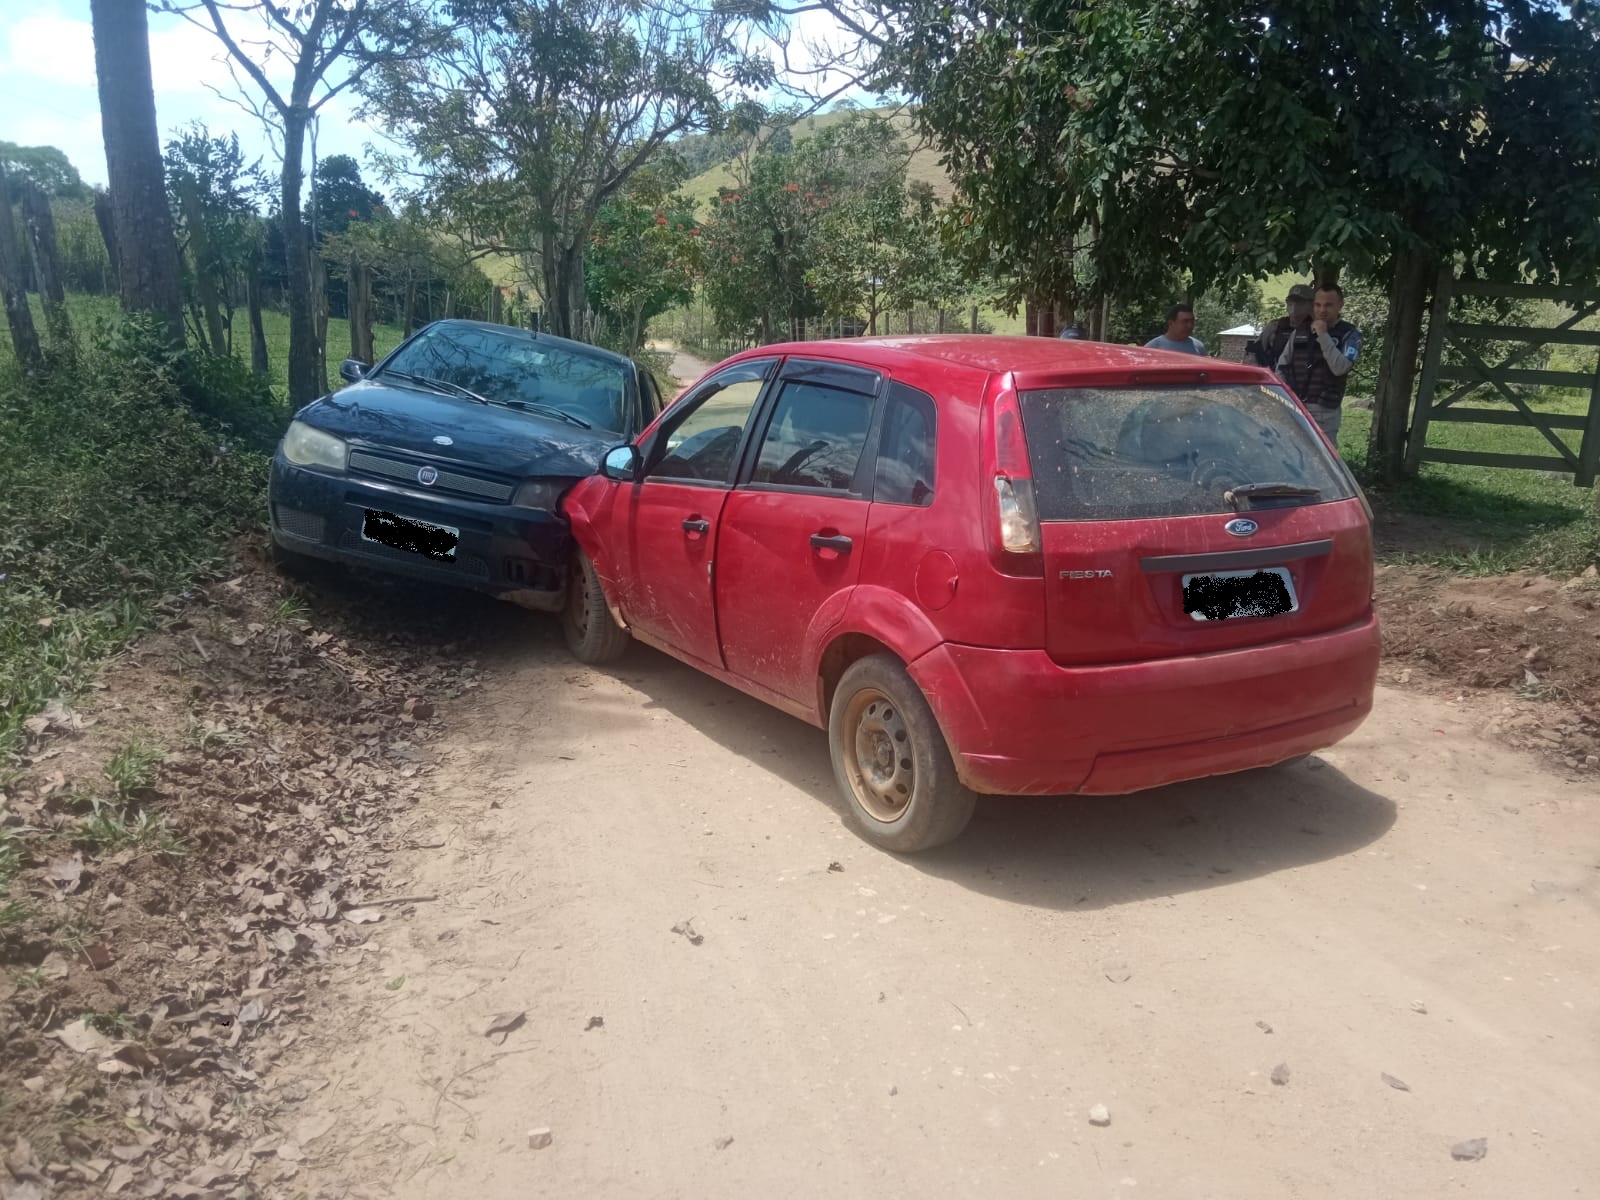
pixel 665 525
pixel 793 529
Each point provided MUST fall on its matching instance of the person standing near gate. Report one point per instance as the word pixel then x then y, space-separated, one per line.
pixel 1313 350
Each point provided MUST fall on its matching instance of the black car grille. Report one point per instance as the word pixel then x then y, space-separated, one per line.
pixel 448 481
pixel 306 525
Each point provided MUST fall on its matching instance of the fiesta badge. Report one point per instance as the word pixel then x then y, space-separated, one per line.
pixel 428 476
pixel 1241 527
pixel 444 440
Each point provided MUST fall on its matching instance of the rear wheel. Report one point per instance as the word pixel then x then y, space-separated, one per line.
pixel 593 635
pixel 891 761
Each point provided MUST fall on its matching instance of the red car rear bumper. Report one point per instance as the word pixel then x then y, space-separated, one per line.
pixel 1019 723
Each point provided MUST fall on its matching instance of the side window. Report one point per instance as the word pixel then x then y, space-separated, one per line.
pixel 815 437
pixel 906 449
pixel 703 442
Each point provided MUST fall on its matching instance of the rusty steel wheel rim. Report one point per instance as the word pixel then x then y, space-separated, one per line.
pixel 578 603
pixel 879 755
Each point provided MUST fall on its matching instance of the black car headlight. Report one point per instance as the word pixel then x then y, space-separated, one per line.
pixel 539 493
pixel 308 447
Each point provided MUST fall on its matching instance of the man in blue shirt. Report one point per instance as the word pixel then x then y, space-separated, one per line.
pixel 1180 332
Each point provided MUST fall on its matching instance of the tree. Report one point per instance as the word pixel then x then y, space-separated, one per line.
pixel 147 266
pixel 341 196
pixel 536 113
pixel 44 166
pixel 1151 136
pixel 212 192
pixel 328 45
pixel 643 257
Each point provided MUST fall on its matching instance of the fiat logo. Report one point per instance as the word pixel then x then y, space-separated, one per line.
pixel 1241 527
pixel 428 476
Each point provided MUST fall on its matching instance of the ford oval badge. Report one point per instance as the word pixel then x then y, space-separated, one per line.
pixel 1241 527
pixel 428 476
pixel 444 439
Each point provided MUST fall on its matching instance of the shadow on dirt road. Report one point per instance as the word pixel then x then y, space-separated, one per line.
pixel 1067 853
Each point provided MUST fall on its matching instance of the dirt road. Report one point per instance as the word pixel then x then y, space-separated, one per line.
pixel 728 995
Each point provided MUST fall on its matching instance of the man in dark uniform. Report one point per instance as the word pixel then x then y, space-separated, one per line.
pixel 1313 350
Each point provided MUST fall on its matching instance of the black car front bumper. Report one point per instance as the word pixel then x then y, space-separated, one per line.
pixel 518 554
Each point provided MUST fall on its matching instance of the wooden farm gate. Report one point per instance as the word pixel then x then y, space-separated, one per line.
pixel 1474 373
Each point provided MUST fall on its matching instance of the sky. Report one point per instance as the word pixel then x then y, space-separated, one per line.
pixel 48 96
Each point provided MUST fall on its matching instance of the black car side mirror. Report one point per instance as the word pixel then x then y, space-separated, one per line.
pixel 621 464
pixel 352 370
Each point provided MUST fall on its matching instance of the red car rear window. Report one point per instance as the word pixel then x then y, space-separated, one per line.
pixel 1129 452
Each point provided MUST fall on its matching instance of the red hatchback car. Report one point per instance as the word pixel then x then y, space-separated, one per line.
pixel 990 564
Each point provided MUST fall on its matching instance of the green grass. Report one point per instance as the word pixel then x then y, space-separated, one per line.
pixel 1490 519
pixel 133 768
pixel 90 314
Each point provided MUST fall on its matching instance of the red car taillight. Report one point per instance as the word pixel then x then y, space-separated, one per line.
pixel 1014 520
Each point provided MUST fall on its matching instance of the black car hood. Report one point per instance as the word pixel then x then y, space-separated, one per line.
pixel 488 436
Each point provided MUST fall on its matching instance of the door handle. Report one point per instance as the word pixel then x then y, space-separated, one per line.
pixel 837 542
pixel 697 525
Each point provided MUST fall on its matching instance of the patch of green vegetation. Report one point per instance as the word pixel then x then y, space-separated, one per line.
pixel 112 1024
pixel 1499 519
pixel 133 768
pixel 292 609
pixel 115 825
pixel 118 491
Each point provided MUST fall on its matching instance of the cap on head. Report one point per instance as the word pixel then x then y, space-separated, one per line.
pixel 1302 293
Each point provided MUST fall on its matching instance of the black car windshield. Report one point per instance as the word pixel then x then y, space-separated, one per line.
pixel 508 368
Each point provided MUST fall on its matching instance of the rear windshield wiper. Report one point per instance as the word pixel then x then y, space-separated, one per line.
pixel 1247 491
pixel 544 410
pixel 439 385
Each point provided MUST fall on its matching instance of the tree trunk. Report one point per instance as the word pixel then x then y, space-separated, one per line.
pixel 360 292
pixel 148 266
pixel 1397 369
pixel 940 325
pixel 258 331
pixel 40 223
pixel 411 307
pixel 319 311
pixel 972 318
pixel 106 219
pixel 205 284
pixel 24 338
pixel 297 266
pixel 497 306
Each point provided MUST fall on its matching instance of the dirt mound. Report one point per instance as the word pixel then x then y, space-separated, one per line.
pixel 192 847
pixel 1534 640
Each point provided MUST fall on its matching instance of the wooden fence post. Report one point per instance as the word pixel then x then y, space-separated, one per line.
pixel 40 223
pixel 1438 323
pixel 24 337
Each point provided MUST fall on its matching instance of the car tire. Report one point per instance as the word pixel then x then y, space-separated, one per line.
pixel 592 634
pixel 891 761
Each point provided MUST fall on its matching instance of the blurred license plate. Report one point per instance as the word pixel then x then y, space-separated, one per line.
pixel 419 537
pixel 1222 595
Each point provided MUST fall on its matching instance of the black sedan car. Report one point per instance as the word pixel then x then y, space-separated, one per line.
pixel 446 460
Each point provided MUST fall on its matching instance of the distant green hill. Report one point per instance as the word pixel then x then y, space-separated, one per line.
pixel 923 168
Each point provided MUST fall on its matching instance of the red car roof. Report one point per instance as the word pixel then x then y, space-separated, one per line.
pixel 1033 359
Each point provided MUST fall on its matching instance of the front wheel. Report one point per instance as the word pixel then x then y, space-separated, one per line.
pixel 592 634
pixel 891 761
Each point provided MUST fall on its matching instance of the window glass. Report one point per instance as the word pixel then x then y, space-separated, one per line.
pixel 815 438
pixel 906 450
pixel 1127 452
pixel 506 367
pixel 702 444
